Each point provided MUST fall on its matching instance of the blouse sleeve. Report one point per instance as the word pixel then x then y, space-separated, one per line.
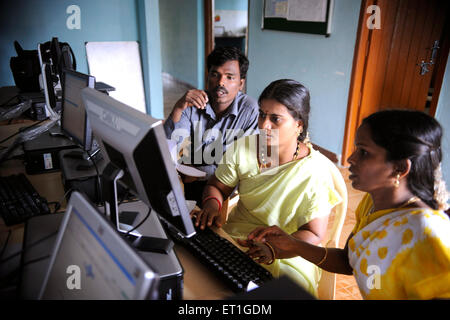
pixel 321 199
pixel 226 171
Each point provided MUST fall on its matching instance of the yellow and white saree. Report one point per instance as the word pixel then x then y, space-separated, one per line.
pixel 287 196
pixel 401 253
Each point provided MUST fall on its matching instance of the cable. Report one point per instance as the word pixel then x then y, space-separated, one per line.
pixel 29 246
pixel 21 130
pixel 99 183
pixel 5 103
pixel 140 223
pixel 58 204
pixel 6 243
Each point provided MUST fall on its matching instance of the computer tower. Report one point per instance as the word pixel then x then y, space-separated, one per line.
pixel 42 153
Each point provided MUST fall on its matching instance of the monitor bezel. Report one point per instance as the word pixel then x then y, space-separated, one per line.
pixel 86 144
pixel 148 280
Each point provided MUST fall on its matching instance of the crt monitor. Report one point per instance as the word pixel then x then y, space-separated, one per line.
pixel 91 261
pixel 136 143
pixel 74 120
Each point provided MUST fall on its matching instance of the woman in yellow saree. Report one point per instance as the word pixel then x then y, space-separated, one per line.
pixel 281 181
pixel 400 245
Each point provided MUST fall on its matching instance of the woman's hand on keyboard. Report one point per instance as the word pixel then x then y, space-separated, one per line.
pixel 208 216
pixel 258 251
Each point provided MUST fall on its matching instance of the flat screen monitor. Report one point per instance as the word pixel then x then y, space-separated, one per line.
pixel 74 120
pixel 136 143
pixel 90 261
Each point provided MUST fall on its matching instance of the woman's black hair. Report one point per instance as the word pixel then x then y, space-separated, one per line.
pixel 220 55
pixel 413 135
pixel 294 96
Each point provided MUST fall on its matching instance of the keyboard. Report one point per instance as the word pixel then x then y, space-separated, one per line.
pixel 19 201
pixel 231 264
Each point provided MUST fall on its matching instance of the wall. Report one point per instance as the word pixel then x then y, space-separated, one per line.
pixel 33 22
pixel 182 40
pixel 322 64
pixel 443 116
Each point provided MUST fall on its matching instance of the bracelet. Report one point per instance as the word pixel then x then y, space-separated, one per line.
pixel 273 252
pixel 324 257
pixel 212 197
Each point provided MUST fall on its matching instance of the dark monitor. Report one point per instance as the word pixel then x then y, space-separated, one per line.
pixel 74 120
pixel 49 89
pixel 136 143
pixel 55 50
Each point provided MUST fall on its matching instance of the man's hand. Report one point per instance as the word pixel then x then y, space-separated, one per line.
pixel 194 97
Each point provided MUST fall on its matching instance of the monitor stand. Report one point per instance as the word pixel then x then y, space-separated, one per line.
pixel 111 174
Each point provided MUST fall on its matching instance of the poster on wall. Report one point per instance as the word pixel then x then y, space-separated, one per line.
pixel 304 16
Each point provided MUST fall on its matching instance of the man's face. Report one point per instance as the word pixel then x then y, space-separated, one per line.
pixel 224 83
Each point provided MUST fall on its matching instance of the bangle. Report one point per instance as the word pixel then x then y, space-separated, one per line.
pixel 211 197
pixel 271 250
pixel 324 257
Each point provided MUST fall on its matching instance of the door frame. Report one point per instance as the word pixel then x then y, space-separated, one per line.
pixel 358 75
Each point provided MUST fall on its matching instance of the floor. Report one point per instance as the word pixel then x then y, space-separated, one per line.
pixel 346 288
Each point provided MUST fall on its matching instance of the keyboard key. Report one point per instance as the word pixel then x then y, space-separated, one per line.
pixel 19 200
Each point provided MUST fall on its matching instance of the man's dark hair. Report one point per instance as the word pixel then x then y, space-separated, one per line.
pixel 220 55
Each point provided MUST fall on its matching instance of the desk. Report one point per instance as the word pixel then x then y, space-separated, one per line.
pixel 199 281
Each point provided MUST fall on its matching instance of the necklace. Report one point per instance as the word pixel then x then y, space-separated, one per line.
pixel 405 204
pixel 265 164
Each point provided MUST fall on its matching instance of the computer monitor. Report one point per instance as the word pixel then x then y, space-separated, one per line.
pixel 136 143
pixel 74 120
pixel 91 261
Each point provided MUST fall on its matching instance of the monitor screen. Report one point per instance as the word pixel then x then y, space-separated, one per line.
pixel 136 143
pixel 74 121
pixel 91 261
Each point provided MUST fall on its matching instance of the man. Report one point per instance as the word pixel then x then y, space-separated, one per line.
pixel 214 118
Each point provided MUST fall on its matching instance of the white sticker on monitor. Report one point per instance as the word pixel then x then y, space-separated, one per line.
pixel 173 204
pixel 48 163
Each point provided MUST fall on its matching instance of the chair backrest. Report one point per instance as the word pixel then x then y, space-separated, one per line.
pixel 327 283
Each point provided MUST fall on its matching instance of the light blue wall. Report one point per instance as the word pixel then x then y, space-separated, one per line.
pixel 443 116
pixel 182 40
pixel 241 5
pixel 150 44
pixel 33 22
pixel 322 64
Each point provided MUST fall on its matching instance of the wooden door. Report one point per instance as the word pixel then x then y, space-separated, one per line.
pixel 387 69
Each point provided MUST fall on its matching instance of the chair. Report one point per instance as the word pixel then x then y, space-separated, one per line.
pixel 327 283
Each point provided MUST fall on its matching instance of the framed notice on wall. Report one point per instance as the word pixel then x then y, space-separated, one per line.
pixel 305 16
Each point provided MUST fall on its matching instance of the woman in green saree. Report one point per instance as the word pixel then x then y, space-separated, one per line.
pixel 281 181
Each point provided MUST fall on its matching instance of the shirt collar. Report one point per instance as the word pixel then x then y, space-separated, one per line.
pixel 231 110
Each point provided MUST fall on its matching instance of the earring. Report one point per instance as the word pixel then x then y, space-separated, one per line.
pixel 299 131
pixel 397 181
